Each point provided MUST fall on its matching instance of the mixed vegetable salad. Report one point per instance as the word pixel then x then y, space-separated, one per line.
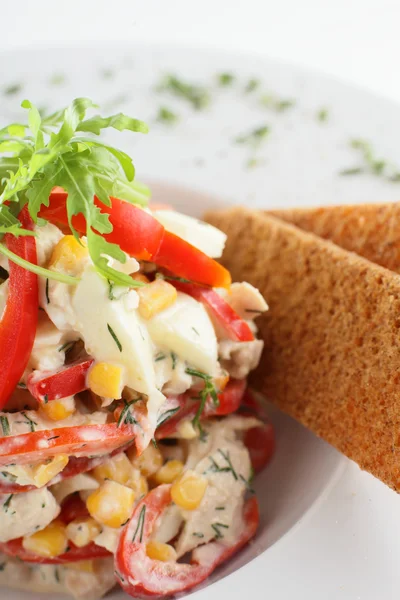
pixel 128 439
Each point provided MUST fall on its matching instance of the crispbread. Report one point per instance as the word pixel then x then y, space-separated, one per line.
pixel 371 230
pixel 331 356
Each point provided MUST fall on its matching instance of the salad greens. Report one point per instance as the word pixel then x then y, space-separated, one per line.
pixel 61 149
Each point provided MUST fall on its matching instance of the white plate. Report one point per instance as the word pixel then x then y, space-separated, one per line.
pixel 298 165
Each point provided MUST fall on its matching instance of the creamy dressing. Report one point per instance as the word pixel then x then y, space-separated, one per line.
pixel 23 514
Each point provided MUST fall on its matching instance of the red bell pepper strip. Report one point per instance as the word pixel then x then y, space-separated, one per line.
pixel 81 440
pixel 75 466
pixel 259 441
pixel 67 381
pixel 183 259
pixel 236 328
pixel 229 401
pixel 143 237
pixel 143 577
pixel 15 548
pixel 19 321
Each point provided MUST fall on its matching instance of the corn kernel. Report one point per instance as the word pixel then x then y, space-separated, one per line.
pixel 186 430
pixel 159 551
pixel 50 542
pixel 45 472
pixel 111 504
pixel 58 410
pixel 105 380
pixel 87 566
pixel 138 484
pixel 168 472
pixel 82 531
pixel 117 468
pixel 221 381
pixel 155 297
pixel 188 490
pixel 148 462
pixel 67 252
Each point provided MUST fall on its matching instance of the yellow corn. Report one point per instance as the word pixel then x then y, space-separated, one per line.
pixel 67 252
pixel 186 430
pixel 168 472
pixel 159 551
pixel 188 490
pixel 82 531
pixel 111 504
pixel 43 473
pixel 148 462
pixel 138 484
pixel 105 380
pixel 221 381
pixel 87 566
pixel 117 468
pixel 155 297
pixel 58 410
pixel 50 542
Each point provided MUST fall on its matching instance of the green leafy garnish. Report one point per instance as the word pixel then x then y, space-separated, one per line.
pixel 371 163
pixel 209 389
pixel 57 79
pixel 114 337
pixel 6 503
pixel 5 426
pixel 62 149
pixel 13 89
pixel 166 116
pixel 217 529
pixel 197 96
pixel 322 115
pixel 277 104
pixel 225 79
pixel 252 85
pixel 126 417
pixel 140 524
pixel 254 137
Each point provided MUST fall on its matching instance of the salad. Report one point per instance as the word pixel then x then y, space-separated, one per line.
pixel 128 438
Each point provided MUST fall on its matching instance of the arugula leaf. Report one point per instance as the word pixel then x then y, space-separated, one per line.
pixel 61 149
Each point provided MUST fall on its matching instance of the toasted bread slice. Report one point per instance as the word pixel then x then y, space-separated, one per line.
pixel 332 335
pixel 371 230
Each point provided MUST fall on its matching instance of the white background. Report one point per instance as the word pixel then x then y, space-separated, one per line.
pixel 355 40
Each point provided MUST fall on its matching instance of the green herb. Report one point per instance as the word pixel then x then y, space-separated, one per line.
pixel 247 483
pixel 140 524
pixel 160 356
pixel 57 79
pixel 252 85
pixel 173 359
pixel 172 278
pixel 225 79
pixel 54 437
pixel 21 385
pixel 277 104
pixel 154 442
pixel 195 330
pixel 217 527
pixel 57 574
pixel 254 162
pixel 62 149
pixel 253 310
pixel 196 95
pixel 227 458
pixel 166 116
pixel 107 73
pixel 254 137
pixel 197 534
pixel 126 417
pixel 3 566
pixel 67 346
pixel 322 115
pixel 208 390
pixel 220 508
pixel 114 337
pixel 12 89
pixel 167 415
pixel 351 171
pixel 43 505
pixel 5 426
pixel 119 576
pixel 110 290
pixel 6 504
pixel 45 398
pixel 28 421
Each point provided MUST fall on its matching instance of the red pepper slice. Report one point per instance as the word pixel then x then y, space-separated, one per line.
pixel 79 440
pixel 229 402
pixel 143 237
pixel 236 328
pixel 19 321
pixel 73 508
pixel 143 577
pixel 259 441
pixel 67 381
pixel 75 466
pixel 14 548
pixel 183 259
